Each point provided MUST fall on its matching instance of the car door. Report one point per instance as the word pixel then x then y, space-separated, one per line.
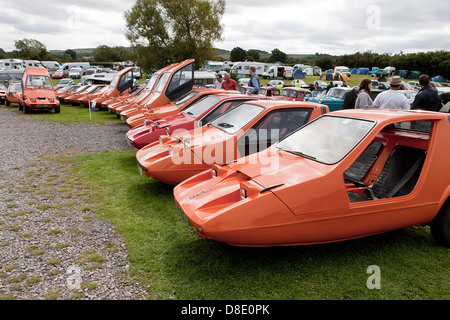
pixel 271 128
pixel 181 81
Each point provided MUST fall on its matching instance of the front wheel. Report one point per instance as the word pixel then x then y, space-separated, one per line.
pixel 20 106
pixel 440 226
pixel 58 109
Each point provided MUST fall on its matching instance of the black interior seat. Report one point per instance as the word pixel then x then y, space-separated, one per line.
pixel 398 177
pixel 362 165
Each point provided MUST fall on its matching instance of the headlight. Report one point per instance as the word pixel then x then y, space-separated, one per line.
pixel 243 193
pixel 170 150
pixel 150 128
pixel 160 140
pixel 213 174
pixel 33 99
pixel 51 100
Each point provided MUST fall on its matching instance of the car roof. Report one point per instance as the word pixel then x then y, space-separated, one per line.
pixel 390 115
pixel 276 104
pixel 36 71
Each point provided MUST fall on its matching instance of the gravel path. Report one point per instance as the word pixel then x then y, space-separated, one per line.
pixel 51 244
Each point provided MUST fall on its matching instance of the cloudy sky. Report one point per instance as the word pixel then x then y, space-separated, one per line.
pixel 293 26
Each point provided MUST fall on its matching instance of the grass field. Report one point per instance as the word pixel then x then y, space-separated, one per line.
pixel 174 263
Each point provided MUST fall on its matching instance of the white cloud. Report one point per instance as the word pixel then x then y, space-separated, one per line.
pixel 293 26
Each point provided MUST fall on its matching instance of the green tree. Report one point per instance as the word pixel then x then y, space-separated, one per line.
pixel 254 54
pixel 166 31
pixel 278 55
pixel 326 63
pixel 71 53
pixel 237 54
pixel 105 53
pixel 31 49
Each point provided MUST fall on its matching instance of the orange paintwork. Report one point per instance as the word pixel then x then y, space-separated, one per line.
pixel 37 91
pixel 304 201
pixel 12 95
pixel 168 109
pixel 159 95
pixel 157 163
pixel 113 90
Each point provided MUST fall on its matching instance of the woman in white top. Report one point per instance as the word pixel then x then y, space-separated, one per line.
pixel 364 100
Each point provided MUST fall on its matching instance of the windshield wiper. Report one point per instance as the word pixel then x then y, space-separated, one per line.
pixel 301 154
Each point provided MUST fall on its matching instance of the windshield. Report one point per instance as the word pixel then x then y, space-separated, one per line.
pixel 336 93
pixel 328 139
pixel 114 81
pixel 39 82
pixel 162 82
pixel 199 107
pixel 151 82
pixel 234 120
pixel 185 98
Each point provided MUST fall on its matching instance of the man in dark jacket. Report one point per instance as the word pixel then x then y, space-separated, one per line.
pixel 427 98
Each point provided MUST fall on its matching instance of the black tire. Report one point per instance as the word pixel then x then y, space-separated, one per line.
pixel 7 103
pixel 58 109
pixel 440 226
pixel 26 110
pixel 20 107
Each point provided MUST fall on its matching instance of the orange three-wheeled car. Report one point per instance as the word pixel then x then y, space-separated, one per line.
pixel 348 174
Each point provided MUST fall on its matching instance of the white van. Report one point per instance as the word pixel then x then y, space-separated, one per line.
pixel 67 66
pixel 243 68
pixel 342 70
pixel 277 72
pixel 11 64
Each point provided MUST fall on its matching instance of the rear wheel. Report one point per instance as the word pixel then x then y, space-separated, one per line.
pixel 440 226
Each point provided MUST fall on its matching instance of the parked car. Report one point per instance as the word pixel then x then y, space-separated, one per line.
pixel 348 174
pixel 294 93
pixel 60 74
pixel 170 108
pixel 299 83
pixel 13 93
pixel 172 83
pixel 3 93
pixel 194 115
pixel 66 82
pixel 318 84
pixel 276 83
pixel 334 98
pixel 269 92
pixel 37 91
pixel 75 73
pixel 248 128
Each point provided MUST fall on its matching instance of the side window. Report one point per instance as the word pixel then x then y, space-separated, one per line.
pixel 180 77
pixel 219 110
pixel 273 127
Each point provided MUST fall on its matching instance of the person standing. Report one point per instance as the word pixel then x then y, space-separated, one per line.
pixel 364 99
pixel 427 98
pixel 218 84
pixel 392 98
pixel 228 83
pixel 254 82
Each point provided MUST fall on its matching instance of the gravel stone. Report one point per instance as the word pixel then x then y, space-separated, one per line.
pixel 51 244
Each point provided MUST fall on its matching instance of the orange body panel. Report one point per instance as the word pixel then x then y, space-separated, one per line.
pixel 37 96
pixel 208 145
pixel 302 201
pixel 169 109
